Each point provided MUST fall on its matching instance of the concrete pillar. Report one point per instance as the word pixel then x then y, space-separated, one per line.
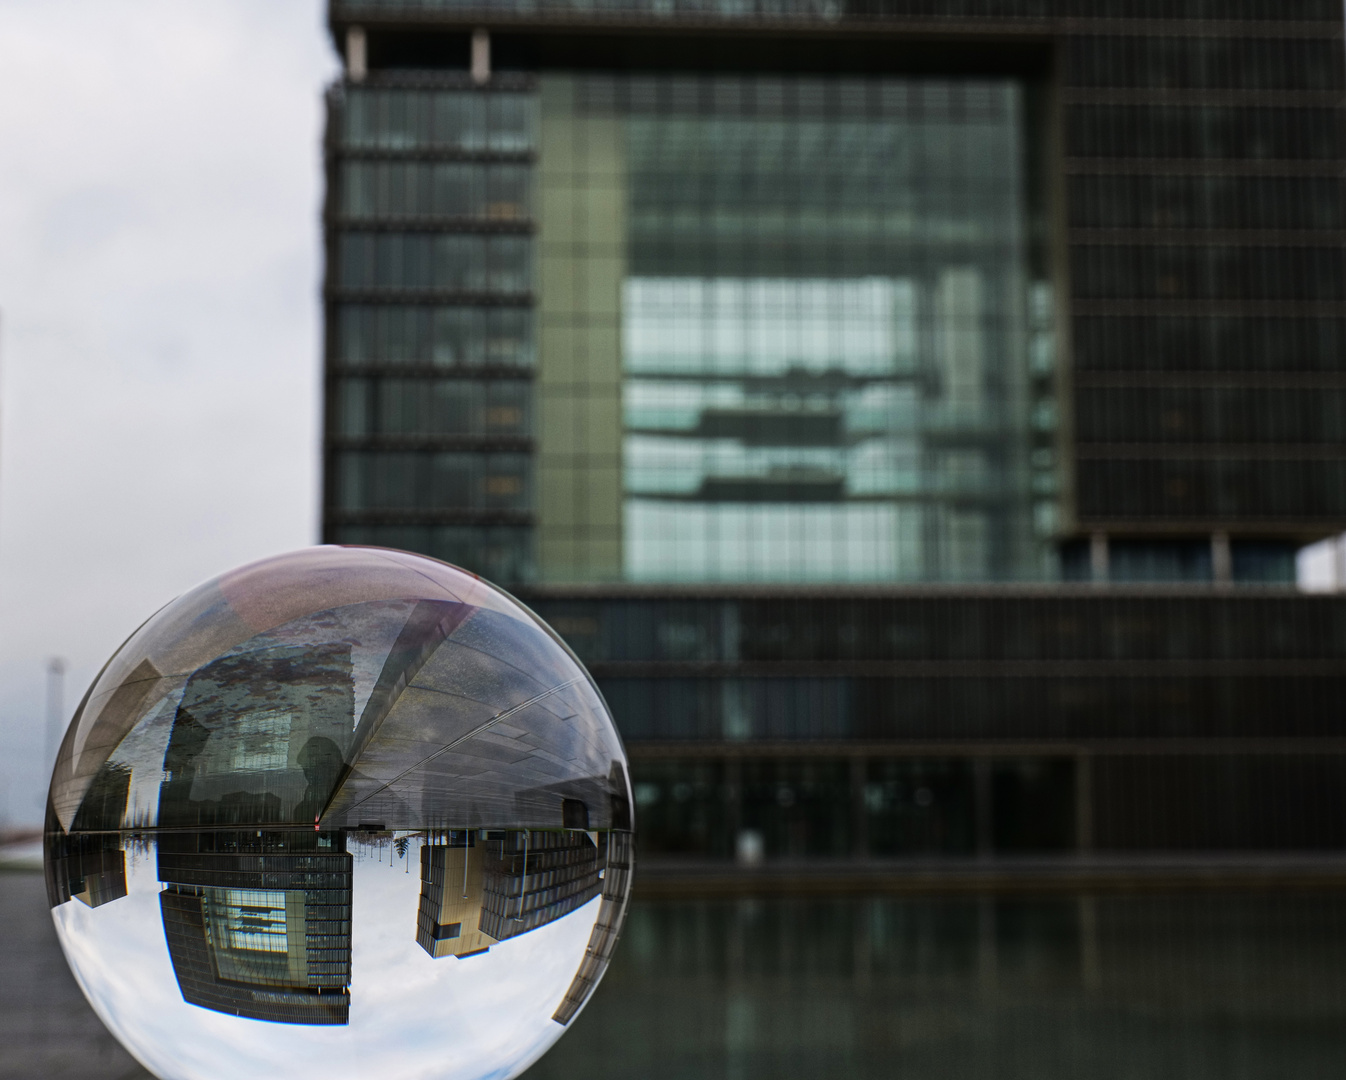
pixel 1221 560
pixel 1098 558
pixel 357 60
pixel 481 57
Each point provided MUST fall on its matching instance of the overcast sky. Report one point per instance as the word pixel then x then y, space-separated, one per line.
pixel 160 184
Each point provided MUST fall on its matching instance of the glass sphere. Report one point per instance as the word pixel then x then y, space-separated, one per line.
pixel 345 812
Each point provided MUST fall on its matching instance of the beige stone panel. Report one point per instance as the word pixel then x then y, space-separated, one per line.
pixel 587 357
pixel 556 551
pixel 563 347
pixel 603 149
pixel 601 346
pixel 557 425
pixel 557 491
pixel 603 418
pixel 581 245
pixel 556 140
pixel 603 210
pixel 605 497
pixel 560 206
pixel 602 285
pixel 557 285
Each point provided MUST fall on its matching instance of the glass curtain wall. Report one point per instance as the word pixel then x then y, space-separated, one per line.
pixel 835 362
pixel 430 378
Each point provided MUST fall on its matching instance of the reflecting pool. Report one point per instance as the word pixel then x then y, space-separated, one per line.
pixel 1227 985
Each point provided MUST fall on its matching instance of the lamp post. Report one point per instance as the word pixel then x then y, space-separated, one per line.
pixel 55 707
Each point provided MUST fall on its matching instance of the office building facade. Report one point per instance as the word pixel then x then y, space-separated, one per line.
pixel 258 924
pixel 475 895
pixel 911 410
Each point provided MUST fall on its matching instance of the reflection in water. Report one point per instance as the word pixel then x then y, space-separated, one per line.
pixel 248 761
pixel 1177 986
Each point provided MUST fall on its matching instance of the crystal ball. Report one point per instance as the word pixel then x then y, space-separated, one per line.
pixel 345 812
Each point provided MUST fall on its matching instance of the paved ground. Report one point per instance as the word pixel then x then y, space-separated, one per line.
pixel 47 1030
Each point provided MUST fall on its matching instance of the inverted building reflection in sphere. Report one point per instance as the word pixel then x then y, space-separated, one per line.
pixel 340 813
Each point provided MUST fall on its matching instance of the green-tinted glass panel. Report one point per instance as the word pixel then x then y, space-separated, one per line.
pixel 836 362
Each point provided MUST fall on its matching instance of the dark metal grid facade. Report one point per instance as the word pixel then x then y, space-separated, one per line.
pixel 429 319
pixel 954 723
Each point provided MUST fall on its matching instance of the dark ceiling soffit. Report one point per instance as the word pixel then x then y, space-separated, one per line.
pixel 1008 593
pixel 796 50
pixel 587 23
pixel 380 13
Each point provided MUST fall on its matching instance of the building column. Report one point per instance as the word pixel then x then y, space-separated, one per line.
pixel 1098 558
pixel 1221 559
pixel 481 57
pixel 357 59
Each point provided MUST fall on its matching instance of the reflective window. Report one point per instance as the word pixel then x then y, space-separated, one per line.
pixel 413 481
pixel 430 407
pixel 498 193
pixel 463 120
pixel 421 262
pixel 837 365
pixel 411 335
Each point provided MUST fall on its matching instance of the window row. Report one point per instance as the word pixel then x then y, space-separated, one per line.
pixel 472 121
pixel 1217 490
pixel 1210 414
pixel 1131 562
pixel 1207 202
pixel 1246 63
pixel 828 806
pixel 766 100
pixel 427 482
pixel 414 335
pixel 885 807
pixel 1203 131
pixel 820 250
pixel 1213 272
pixel 500 553
pixel 906 180
pixel 973 708
pixel 417 262
pixel 1060 626
pixel 411 407
pixel 1208 343
pixel 384 189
